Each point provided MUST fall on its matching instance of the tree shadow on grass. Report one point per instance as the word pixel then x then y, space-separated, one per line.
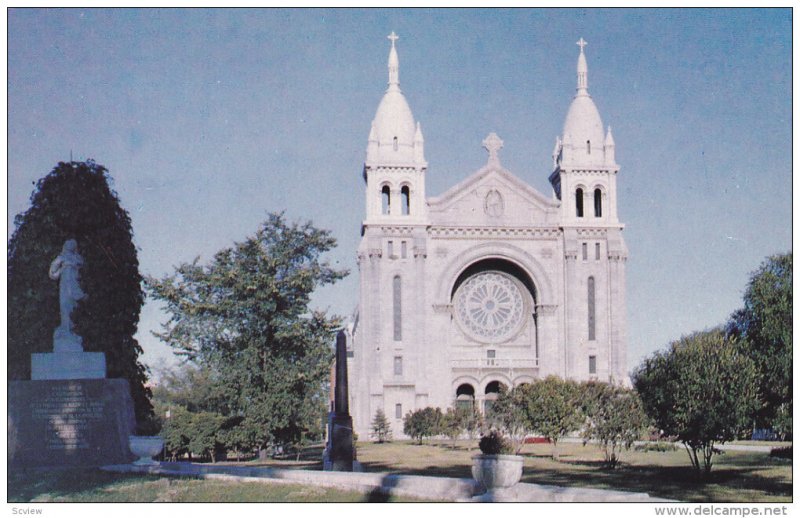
pixel 453 471
pixel 25 485
pixel 674 482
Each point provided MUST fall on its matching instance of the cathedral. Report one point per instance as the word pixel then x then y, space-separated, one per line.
pixel 492 283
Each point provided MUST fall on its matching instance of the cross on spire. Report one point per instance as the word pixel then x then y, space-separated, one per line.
pixel 581 43
pixel 394 37
pixel 493 144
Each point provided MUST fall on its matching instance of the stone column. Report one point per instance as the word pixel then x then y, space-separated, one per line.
pixel 340 448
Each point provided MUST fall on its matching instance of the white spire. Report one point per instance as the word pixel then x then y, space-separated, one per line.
pixel 394 132
pixel 394 64
pixel 609 138
pixel 419 145
pixel 611 158
pixel 583 129
pixel 583 70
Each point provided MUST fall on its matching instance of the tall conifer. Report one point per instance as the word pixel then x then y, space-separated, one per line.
pixel 75 201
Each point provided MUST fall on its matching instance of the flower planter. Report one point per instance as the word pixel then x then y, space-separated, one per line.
pixel 145 447
pixel 497 471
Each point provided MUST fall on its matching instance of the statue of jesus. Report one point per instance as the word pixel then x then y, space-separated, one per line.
pixel 65 268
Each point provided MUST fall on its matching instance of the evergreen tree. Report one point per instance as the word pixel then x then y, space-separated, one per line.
pixel 75 201
pixel 381 429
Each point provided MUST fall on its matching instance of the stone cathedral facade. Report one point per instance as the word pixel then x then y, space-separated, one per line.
pixel 491 283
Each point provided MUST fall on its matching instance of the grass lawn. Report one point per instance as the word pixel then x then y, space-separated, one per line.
pixel 93 485
pixel 737 476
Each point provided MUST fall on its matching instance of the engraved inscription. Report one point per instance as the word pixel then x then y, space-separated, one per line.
pixel 68 412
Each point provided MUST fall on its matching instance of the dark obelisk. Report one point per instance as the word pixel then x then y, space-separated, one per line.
pixel 340 447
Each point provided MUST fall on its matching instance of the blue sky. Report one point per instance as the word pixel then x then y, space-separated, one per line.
pixel 210 119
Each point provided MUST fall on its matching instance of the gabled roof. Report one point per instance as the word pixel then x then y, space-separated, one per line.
pixel 488 172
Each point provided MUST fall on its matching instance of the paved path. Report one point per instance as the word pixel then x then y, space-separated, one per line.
pixel 433 488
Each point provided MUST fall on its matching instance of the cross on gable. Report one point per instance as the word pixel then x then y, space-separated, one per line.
pixel 581 43
pixel 493 144
pixel 394 37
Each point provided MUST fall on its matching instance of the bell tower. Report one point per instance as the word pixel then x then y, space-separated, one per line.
pixel 584 178
pixel 394 169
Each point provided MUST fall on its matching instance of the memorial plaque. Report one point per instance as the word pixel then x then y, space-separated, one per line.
pixel 69 422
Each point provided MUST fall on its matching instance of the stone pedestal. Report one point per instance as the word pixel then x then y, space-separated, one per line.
pixel 81 422
pixel 68 366
pixel 340 446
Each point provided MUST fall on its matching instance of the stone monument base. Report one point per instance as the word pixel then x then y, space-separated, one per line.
pixel 339 452
pixel 68 366
pixel 82 422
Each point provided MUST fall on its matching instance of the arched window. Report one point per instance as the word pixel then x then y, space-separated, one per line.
pixel 598 203
pixel 394 143
pixel 579 203
pixel 405 196
pixel 590 304
pixel 588 147
pixel 396 310
pixel 386 200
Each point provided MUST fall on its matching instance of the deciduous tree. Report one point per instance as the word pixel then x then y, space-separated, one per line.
pixel 552 407
pixel 245 316
pixel 508 413
pixel 703 390
pixel 764 327
pixel 422 423
pixel 614 418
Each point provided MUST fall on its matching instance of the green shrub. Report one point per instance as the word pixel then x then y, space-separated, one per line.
pixel 422 423
pixel 660 446
pixel 495 444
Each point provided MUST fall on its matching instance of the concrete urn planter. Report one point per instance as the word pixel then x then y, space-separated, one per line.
pixel 145 447
pixel 497 471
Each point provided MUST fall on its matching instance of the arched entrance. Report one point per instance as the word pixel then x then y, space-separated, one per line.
pixel 490 394
pixel 465 396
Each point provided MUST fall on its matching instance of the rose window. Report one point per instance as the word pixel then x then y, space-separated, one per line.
pixel 490 306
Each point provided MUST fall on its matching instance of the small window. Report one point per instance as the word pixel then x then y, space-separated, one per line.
pixel 579 203
pixel 597 251
pixel 598 203
pixel 386 200
pixel 398 365
pixel 390 249
pixel 585 251
pixel 590 304
pixel 405 197
pixel 491 354
pixel 588 147
pixel 394 143
pixel 592 364
pixel 403 249
pixel 398 327
pixel 398 411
